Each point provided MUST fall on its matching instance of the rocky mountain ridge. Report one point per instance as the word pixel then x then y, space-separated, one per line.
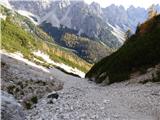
pixel 95 22
pixel 86 19
pixel 128 18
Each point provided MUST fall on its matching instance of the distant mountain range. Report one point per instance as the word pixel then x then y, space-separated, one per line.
pixel 106 25
pixel 64 11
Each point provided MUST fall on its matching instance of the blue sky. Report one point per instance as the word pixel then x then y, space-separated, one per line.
pixel 125 3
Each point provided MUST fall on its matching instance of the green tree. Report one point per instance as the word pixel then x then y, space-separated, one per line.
pixel 152 11
pixel 138 28
pixel 128 34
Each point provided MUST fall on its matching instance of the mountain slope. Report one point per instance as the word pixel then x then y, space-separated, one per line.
pixel 91 51
pixel 139 52
pixel 88 49
pixel 19 34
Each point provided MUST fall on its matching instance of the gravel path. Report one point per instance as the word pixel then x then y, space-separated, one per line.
pixel 81 99
pixel 84 100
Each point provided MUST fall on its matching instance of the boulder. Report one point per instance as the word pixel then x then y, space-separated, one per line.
pixel 10 108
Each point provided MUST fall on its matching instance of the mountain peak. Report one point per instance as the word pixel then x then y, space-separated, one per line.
pixel 6 4
pixel 96 7
pixel 64 3
pixel 95 4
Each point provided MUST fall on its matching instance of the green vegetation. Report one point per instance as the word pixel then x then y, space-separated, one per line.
pixel 91 51
pixel 27 105
pixel 140 51
pixel 34 99
pixel 26 24
pixel 156 78
pixel 29 102
pixel 19 34
pixel 10 89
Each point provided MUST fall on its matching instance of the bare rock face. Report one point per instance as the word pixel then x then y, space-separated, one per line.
pixel 10 108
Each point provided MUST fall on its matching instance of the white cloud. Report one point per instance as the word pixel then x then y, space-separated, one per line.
pixel 125 3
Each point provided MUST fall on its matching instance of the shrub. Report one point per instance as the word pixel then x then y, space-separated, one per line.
pixel 10 89
pixel 28 105
pixel 34 99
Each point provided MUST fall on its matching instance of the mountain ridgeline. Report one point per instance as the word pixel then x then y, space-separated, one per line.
pixel 139 52
pixel 113 14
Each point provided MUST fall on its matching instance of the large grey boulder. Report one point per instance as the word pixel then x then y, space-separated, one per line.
pixel 10 108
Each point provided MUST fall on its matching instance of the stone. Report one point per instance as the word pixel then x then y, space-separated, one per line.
pixel 106 101
pixel 10 108
pixel 53 95
pixel 50 102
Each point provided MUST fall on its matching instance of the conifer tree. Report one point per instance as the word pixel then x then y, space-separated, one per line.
pixel 152 11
